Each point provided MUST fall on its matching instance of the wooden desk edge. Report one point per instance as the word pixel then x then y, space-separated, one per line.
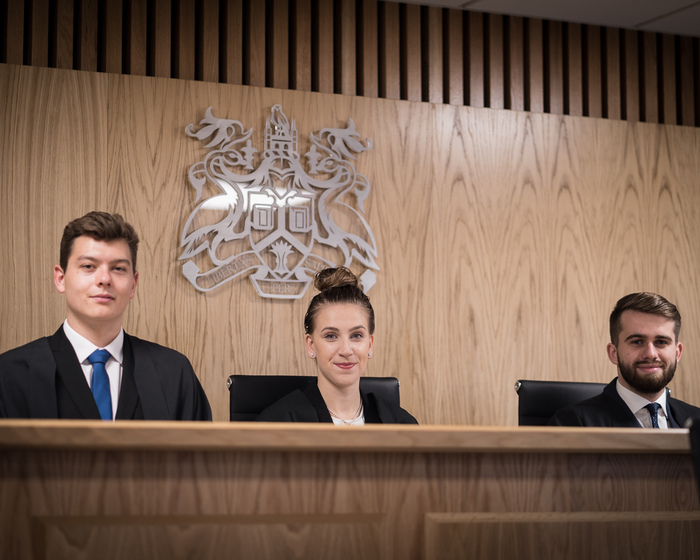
pixel 258 436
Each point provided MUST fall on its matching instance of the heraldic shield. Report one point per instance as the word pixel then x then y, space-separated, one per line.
pixel 281 221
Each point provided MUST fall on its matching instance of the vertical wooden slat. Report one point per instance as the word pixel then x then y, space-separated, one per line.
pixel 687 83
pixel 613 81
pixel 113 36
pixel 535 83
pixel 209 47
pixel 232 42
pixel 631 70
pixel 594 73
pixel 325 71
pixel 301 57
pixel 39 49
pixel 435 56
pixel 279 45
pixel 516 65
pixel 556 68
pixel 574 88
pixel 256 45
pixel 162 40
pixel 368 78
pixel 496 62
pixel 454 57
pixel 411 47
pixel 650 82
pixel 476 60
pixel 137 64
pixel 64 34
pixel 390 52
pixel 668 79
pixel 87 57
pixel 15 32
pixel 347 72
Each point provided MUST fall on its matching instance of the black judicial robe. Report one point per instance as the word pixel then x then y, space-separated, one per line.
pixel 43 379
pixel 309 406
pixel 608 410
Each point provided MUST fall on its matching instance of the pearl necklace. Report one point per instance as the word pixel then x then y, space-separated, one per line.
pixel 347 422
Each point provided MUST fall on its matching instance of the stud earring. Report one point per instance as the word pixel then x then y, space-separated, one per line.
pixel 369 355
pixel 312 355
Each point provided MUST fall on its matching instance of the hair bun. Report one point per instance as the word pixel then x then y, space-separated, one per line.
pixel 335 278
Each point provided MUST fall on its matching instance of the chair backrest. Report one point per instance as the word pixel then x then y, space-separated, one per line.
pixel 539 400
pixel 249 395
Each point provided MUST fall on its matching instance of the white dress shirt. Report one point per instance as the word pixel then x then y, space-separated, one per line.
pixel 83 348
pixel 636 404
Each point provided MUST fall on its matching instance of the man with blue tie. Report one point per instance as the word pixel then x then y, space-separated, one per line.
pixel 644 331
pixel 90 368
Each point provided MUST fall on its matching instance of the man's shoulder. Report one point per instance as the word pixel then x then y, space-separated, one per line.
pixel 153 348
pixel 21 353
pixel 689 410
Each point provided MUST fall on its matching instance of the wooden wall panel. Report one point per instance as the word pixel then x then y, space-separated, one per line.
pixel 688 75
pixel 159 53
pixel 53 153
pixel 185 42
pixel 593 79
pixel 347 73
pixel 368 75
pixel 137 62
pixel 516 65
pixel 477 86
pixel 14 34
pixel 612 106
pixel 648 52
pixel 433 75
pixel 668 79
pixel 232 54
pixel 554 67
pixel 278 45
pixel 39 48
pixel 389 51
pixel 535 64
pixel 87 35
pixel 64 34
pixel 496 63
pixel 324 49
pixel 113 39
pixel 632 102
pixel 411 53
pixel 454 57
pixel 573 101
pixel 503 244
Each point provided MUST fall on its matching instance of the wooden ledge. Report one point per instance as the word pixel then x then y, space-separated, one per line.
pixel 258 436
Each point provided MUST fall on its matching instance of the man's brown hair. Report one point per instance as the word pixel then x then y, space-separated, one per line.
pixel 644 302
pixel 100 226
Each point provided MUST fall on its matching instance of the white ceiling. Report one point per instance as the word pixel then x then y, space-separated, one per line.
pixel 675 17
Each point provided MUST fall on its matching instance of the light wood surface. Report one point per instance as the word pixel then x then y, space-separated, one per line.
pixel 504 238
pixel 152 490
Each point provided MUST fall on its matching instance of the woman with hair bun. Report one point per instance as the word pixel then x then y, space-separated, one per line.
pixel 339 327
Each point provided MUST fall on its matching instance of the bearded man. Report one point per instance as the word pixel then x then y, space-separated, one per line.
pixel 644 345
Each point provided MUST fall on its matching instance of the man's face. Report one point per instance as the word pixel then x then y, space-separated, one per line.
pixel 98 283
pixel 646 354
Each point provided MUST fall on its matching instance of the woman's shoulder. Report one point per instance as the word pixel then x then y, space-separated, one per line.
pixel 391 413
pixel 294 407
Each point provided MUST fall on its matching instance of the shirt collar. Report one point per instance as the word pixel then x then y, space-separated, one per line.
pixel 83 347
pixel 636 402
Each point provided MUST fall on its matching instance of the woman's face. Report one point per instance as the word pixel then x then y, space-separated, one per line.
pixel 340 343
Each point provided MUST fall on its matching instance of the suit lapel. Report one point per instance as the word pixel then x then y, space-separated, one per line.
pixel 620 414
pixel 148 385
pixel 75 393
pixel 128 407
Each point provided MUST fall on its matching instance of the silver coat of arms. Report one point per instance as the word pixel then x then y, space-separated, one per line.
pixel 276 217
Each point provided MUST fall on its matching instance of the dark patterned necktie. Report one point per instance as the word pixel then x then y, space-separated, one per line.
pixel 653 409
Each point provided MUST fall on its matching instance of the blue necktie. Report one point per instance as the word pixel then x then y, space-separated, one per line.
pixel 100 383
pixel 653 409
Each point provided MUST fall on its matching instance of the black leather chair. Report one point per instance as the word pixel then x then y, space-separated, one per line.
pixel 249 395
pixel 539 400
pixel 694 430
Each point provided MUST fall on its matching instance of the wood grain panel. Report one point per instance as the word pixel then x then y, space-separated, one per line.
pixel 301 33
pixel 435 71
pixel 54 169
pixel 504 238
pixel 397 503
pixel 209 42
pixel 64 34
pixel 554 85
pixel 411 54
pixel 562 535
